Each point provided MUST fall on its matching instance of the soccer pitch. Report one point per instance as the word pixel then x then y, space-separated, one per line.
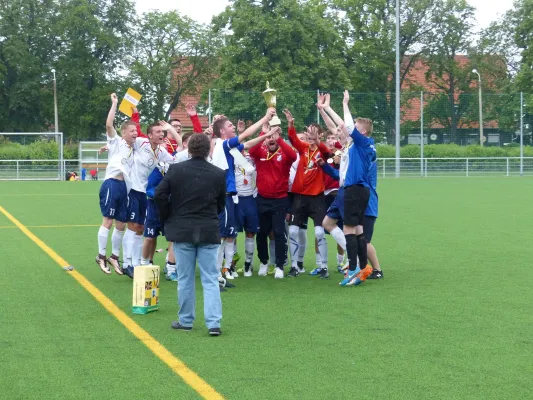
pixel 451 319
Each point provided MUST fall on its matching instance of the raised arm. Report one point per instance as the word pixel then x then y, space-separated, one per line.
pixel 255 127
pixel 320 105
pixel 110 129
pixel 193 115
pixel 293 137
pixel 348 119
pixel 170 129
pixel 287 150
pixel 260 139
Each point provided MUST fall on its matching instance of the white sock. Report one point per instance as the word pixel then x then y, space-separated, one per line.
pixel 137 250
pixel 318 259
pixel 145 261
pixel 116 241
pixel 302 243
pixel 103 234
pixel 127 245
pixel 229 251
pixel 272 251
pixel 322 246
pixel 293 244
pixel 249 244
pixel 171 268
pixel 337 234
pixel 340 259
pixel 220 255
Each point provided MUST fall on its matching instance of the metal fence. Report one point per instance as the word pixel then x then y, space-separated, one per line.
pixel 410 167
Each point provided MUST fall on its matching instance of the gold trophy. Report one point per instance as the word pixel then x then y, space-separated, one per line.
pixel 270 97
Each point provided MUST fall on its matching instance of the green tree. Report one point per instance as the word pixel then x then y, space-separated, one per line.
pixel 91 41
pixel 173 57
pixel 26 50
pixel 296 45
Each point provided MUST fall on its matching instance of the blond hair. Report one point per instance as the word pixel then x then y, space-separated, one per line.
pixel 367 125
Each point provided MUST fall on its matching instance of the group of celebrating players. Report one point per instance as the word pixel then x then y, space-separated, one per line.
pixel 272 189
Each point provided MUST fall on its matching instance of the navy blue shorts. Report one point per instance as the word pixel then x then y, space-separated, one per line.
pixel 152 227
pixel 368 227
pixel 247 215
pixel 114 199
pixel 227 219
pixel 137 207
pixel 336 209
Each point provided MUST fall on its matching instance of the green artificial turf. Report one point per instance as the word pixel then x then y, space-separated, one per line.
pixel 451 319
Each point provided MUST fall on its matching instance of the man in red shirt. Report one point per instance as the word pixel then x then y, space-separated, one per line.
pixel 273 164
pixel 308 188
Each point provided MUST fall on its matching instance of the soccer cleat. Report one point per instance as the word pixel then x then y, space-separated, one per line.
pixel 215 332
pixel 376 274
pixel 113 260
pixel 172 276
pixel 316 271
pixel 222 289
pixel 300 266
pixel 233 272
pixel 293 272
pixel 271 269
pixel 279 273
pixel 323 273
pixel 350 275
pixel 361 276
pixel 229 285
pixel 227 273
pixel 165 269
pixel 263 270
pixel 102 263
pixel 180 327
pixel 128 271
pixel 247 269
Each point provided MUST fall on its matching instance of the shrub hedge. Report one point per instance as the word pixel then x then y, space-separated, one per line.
pixel 42 150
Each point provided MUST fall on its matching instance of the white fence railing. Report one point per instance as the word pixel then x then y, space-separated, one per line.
pixel 409 167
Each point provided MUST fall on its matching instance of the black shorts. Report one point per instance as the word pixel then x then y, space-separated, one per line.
pixel 355 203
pixel 330 198
pixel 368 227
pixel 306 206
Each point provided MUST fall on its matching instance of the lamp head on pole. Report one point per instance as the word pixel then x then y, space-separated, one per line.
pixel 54 72
pixel 475 72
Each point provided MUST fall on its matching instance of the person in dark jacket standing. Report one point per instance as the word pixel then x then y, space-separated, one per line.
pixel 189 199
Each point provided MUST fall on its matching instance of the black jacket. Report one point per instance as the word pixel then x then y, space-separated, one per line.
pixel 189 199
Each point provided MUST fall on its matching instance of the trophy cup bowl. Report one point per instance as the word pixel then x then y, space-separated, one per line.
pixel 270 96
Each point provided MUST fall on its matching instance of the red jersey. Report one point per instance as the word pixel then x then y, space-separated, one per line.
pixel 273 169
pixel 309 179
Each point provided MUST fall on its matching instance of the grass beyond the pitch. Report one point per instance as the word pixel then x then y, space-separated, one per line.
pixel 451 319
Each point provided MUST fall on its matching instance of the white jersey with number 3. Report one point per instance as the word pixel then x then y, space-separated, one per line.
pixel 145 160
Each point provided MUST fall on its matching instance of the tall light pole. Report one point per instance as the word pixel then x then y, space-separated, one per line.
pixel 397 88
pixel 55 101
pixel 480 108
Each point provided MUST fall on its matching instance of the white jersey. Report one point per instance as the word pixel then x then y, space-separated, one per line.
pixel 345 160
pixel 145 160
pixel 246 181
pixel 292 173
pixel 120 158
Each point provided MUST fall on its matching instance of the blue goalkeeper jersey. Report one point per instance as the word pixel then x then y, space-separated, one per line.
pixel 372 208
pixel 362 154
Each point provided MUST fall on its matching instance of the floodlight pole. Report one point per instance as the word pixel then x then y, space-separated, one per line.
pixel 397 88
pixel 55 102
pixel 480 108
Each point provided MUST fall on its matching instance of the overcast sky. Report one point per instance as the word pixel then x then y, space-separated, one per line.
pixel 203 10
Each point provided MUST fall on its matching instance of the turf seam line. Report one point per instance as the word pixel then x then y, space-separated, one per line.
pixel 189 376
pixel 49 226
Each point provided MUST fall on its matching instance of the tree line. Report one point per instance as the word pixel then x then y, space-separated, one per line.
pixel 101 46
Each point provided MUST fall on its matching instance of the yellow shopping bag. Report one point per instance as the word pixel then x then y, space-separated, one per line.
pixel 131 100
pixel 146 289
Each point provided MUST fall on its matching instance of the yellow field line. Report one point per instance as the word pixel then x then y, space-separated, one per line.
pixel 178 366
pixel 49 226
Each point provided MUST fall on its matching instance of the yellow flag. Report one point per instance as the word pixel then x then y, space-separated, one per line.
pixel 131 99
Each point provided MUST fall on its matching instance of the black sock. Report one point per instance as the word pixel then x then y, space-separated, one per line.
pixel 352 249
pixel 363 258
pixel 300 264
pixel 152 262
pixel 171 263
